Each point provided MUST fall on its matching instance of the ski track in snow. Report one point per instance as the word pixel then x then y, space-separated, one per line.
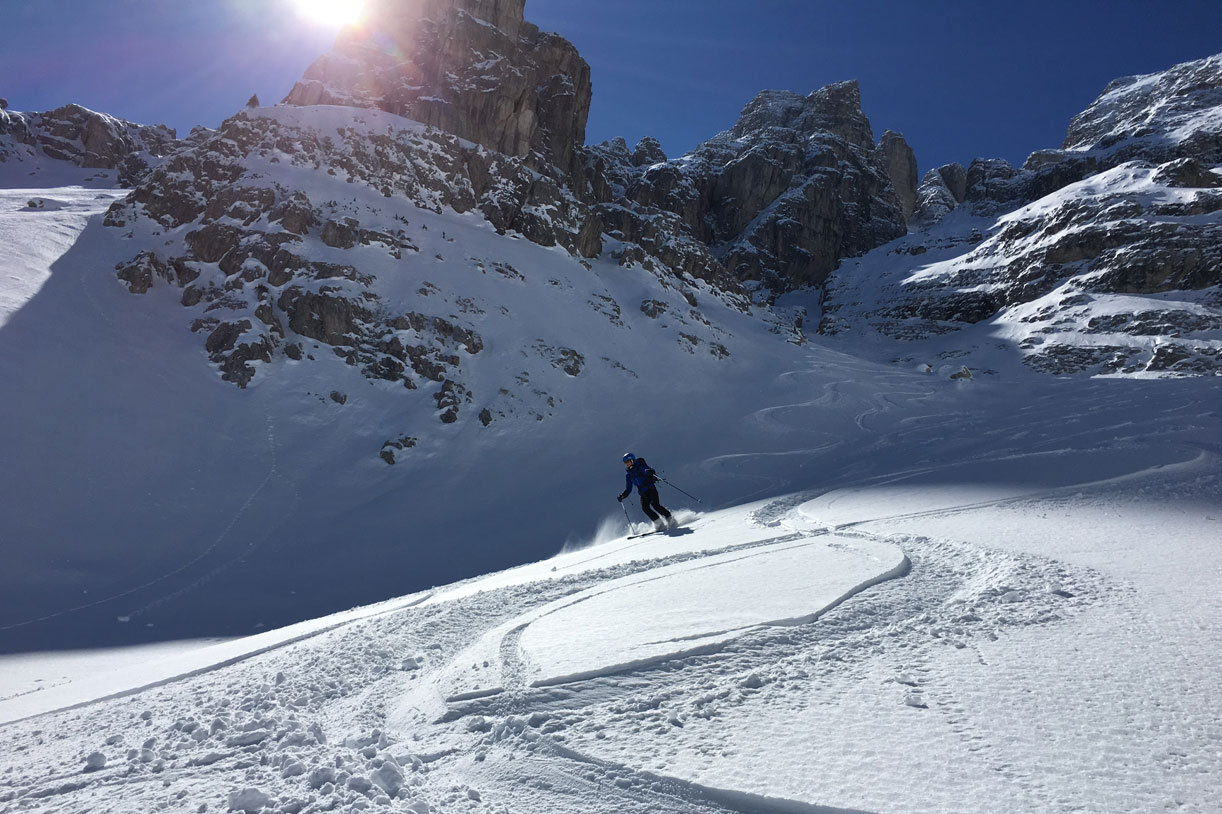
pixel 86 202
pixel 187 566
pixel 273 472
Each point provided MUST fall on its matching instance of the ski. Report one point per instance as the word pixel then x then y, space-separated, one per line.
pixel 655 531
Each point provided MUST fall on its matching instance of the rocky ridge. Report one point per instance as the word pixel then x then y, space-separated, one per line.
pixel 486 114
pixel 777 201
pixel 473 68
pixel 1101 256
pixel 797 184
pixel 297 235
pixel 248 245
pixel 86 139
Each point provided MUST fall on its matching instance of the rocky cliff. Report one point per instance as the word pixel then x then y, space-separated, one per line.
pixel 473 68
pixel 777 201
pixel 85 139
pixel 797 184
pixel 1101 256
pixel 1157 118
pixel 254 207
pixel 461 106
pixel 293 237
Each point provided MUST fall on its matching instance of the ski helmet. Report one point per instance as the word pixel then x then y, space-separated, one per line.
pixel 628 456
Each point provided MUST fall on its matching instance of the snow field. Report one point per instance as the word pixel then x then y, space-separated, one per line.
pixel 1034 656
pixel 806 725
pixel 58 217
pixel 698 608
pixel 227 477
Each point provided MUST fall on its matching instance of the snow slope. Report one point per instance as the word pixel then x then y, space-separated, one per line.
pixel 204 522
pixel 1020 631
pixel 993 594
pixel 58 217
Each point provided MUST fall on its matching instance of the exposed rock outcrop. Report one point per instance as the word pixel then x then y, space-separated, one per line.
pixel 86 139
pixel 473 68
pixel 1157 117
pixel 778 200
pixel 648 151
pixel 1102 256
pixel 900 164
pixel 935 197
pixel 793 187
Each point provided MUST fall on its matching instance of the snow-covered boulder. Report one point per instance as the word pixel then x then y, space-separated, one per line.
pixel 248 800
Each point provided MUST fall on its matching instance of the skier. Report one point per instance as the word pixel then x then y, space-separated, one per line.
pixel 642 476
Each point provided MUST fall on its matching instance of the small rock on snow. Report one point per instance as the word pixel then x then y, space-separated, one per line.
pixel 95 761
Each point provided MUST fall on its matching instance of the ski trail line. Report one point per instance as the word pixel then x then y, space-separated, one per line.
pixel 169 574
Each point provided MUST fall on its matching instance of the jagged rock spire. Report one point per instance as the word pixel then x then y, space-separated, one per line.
pixel 474 68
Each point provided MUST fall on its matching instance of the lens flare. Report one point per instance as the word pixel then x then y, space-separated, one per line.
pixel 331 12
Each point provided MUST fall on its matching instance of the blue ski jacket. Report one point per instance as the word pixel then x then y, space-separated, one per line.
pixel 641 475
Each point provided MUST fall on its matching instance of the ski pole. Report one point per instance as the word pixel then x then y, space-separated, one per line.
pixel 631 529
pixel 672 486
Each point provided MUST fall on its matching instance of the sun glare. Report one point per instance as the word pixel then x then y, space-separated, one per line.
pixel 331 12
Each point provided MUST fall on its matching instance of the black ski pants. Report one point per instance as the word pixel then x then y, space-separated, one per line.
pixel 649 502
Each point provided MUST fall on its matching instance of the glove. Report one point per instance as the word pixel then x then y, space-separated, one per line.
pixel 620 498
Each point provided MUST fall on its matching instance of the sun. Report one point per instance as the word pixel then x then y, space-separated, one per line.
pixel 331 12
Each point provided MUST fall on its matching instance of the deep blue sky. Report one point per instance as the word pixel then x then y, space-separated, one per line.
pixel 958 78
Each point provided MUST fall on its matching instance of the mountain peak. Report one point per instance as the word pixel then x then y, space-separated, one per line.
pixel 834 109
pixel 1160 116
pixel 474 68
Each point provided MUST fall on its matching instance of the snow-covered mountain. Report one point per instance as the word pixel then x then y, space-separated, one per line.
pixel 31 144
pixel 1101 257
pixel 396 332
